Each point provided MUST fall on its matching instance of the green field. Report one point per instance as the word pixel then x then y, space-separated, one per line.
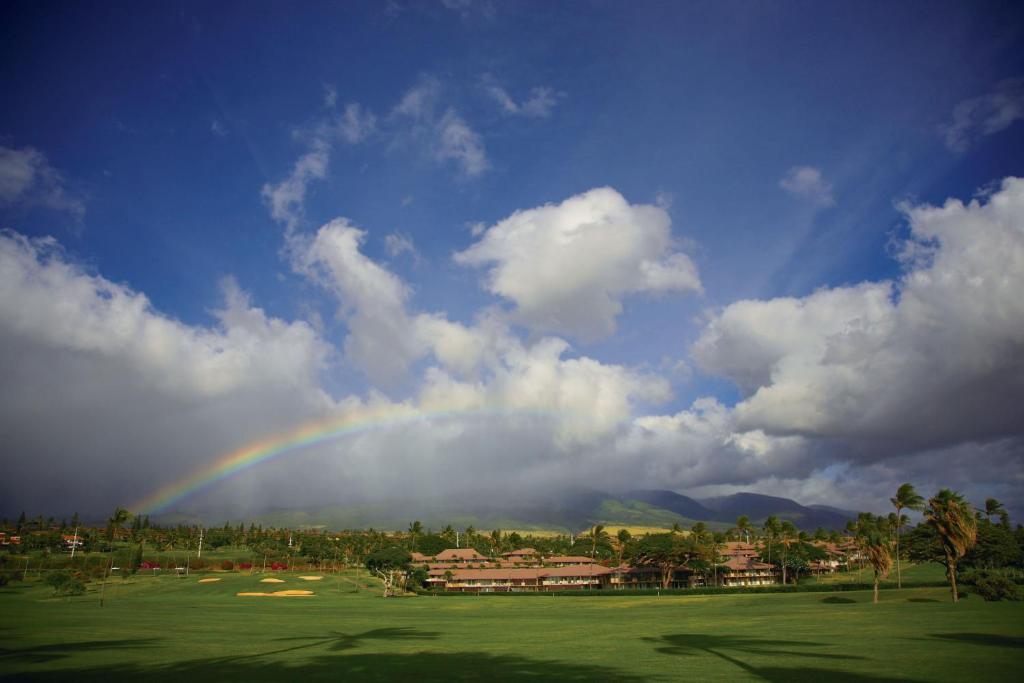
pixel 170 628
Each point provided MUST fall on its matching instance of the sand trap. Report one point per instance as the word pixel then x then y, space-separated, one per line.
pixel 311 578
pixel 208 580
pixel 278 594
pixel 271 581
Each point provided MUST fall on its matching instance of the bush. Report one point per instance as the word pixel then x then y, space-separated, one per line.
pixel 63 583
pixel 227 565
pixel 993 586
pixel 7 577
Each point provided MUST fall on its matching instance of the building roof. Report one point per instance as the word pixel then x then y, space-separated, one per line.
pixel 463 554
pixel 745 564
pixel 522 572
pixel 569 559
pixel 522 552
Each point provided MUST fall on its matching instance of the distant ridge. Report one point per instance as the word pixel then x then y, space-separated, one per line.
pixel 567 510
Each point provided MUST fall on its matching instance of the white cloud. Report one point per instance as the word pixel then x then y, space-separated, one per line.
pixel 538 104
pixel 458 142
pixel 116 399
pixel 568 266
pixel 984 115
pixel 356 124
pixel 807 183
pixel 446 136
pixel 397 244
pixel 372 299
pixel 934 359
pixel 218 128
pixel 286 199
pixel 330 96
pixel 28 179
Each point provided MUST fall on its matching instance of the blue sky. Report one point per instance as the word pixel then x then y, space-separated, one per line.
pixel 781 139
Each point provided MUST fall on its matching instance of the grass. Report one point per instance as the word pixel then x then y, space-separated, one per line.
pixel 169 628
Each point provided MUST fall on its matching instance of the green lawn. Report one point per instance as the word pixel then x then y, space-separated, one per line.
pixel 169 628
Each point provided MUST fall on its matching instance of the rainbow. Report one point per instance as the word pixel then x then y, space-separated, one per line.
pixel 309 434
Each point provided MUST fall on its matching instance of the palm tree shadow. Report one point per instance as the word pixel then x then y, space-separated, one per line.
pixel 729 649
pixel 992 640
pixel 339 642
pixel 47 653
pixel 447 667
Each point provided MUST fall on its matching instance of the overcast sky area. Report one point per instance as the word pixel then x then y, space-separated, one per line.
pixel 707 247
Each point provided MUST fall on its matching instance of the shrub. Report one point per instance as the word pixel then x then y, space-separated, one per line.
pixel 227 565
pixel 993 586
pixel 63 583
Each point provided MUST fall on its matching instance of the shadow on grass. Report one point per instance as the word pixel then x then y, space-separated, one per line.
pixel 48 653
pixel 922 600
pixel 992 640
pixel 836 600
pixel 731 648
pixel 421 666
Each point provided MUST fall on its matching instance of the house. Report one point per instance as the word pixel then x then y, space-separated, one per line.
pixel 71 541
pixel 742 566
pixel 746 571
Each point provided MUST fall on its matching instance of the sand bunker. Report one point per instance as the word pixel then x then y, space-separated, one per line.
pixel 271 581
pixel 311 578
pixel 208 580
pixel 278 594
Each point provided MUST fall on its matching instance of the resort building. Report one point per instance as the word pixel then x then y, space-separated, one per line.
pixel 467 571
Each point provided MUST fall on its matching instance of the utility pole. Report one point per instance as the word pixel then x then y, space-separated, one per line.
pixel 200 553
pixel 457 539
pixel 74 543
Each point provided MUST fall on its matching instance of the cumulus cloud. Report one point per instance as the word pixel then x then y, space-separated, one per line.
pixel 115 398
pixel 539 103
pixel 808 183
pixel 984 115
pixel 934 359
pixel 28 179
pixel 372 299
pixel 567 267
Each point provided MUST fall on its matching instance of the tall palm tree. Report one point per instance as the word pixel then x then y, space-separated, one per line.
pixel 743 527
pixel 116 521
pixel 873 537
pixel 623 537
pixel 906 498
pixel 787 534
pixel 415 529
pixel 597 535
pixel 953 519
pixel 771 528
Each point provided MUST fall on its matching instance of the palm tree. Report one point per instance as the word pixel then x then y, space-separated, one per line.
pixel 872 535
pixel 787 533
pixel 415 529
pixel 771 529
pixel 953 519
pixel 116 521
pixel 743 527
pixel 597 535
pixel 623 537
pixel 906 498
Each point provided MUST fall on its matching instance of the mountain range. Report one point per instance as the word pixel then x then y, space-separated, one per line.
pixel 569 510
